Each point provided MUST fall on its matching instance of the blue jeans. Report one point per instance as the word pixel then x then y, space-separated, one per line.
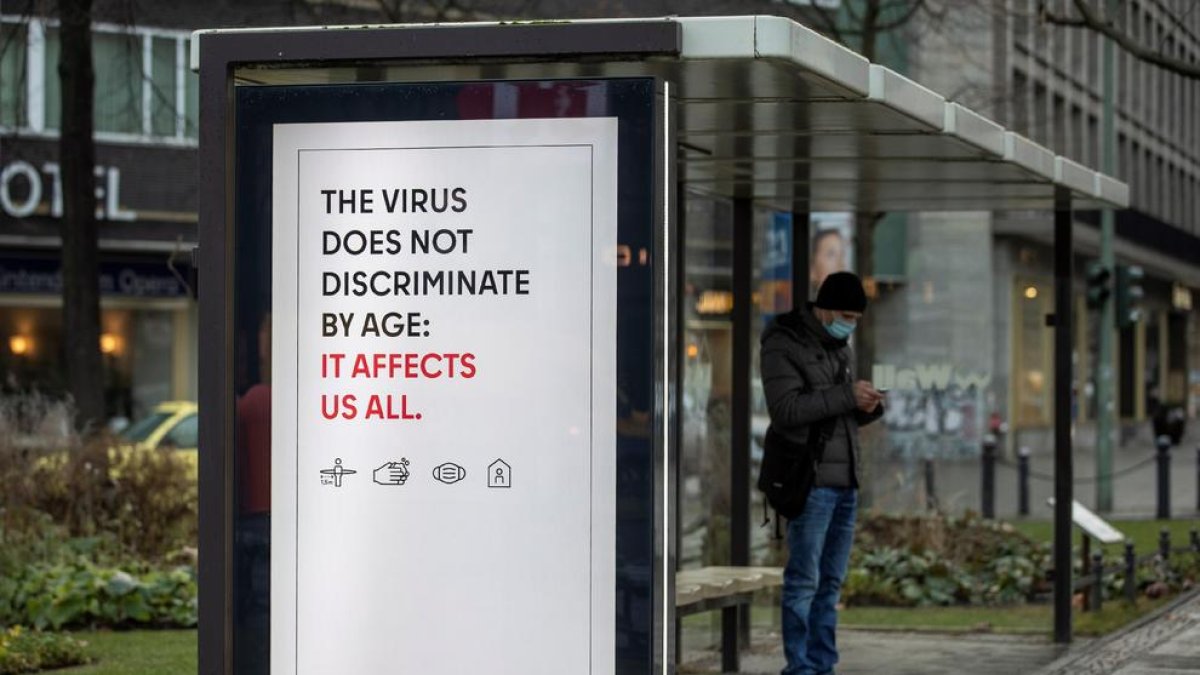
pixel 818 553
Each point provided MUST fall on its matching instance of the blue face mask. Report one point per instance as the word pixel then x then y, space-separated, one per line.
pixel 840 328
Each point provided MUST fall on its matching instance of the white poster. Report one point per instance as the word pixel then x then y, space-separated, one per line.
pixel 443 358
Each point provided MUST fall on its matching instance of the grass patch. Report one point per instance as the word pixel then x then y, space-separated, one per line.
pixel 139 652
pixel 1143 532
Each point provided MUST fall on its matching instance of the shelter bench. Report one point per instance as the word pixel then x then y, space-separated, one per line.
pixel 727 589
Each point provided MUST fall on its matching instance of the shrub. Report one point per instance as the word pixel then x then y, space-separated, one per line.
pixel 83 594
pixel 23 651
pixel 146 499
pixel 912 560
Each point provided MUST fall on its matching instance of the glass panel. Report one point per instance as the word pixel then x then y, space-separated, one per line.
pixel 12 75
pixel 259 108
pixel 707 387
pixel 117 60
pixel 162 87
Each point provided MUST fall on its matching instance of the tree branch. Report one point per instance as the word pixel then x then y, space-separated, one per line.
pixel 830 27
pixel 902 19
pixel 1090 20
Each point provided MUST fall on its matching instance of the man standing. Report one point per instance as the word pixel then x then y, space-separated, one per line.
pixel 815 402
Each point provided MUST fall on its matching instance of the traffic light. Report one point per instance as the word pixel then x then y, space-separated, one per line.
pixel 1099 285
pixel 1129 295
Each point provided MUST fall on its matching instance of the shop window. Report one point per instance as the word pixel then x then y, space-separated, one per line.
pixel 1033 354
pixel 12 74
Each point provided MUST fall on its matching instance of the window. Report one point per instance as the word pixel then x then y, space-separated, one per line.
pixel 1033 384
pixel 12 74
pixel 163 74
pixel 117 59
pixel 143 88
pixel 184 435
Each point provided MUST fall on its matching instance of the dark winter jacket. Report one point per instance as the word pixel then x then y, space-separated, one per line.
pixel 808 378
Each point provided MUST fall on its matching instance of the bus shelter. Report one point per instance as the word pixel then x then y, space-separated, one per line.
pixel 441 354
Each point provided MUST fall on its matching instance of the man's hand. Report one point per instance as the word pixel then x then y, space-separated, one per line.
pixel 866 396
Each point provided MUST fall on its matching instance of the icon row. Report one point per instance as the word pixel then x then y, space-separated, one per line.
pixel 499 473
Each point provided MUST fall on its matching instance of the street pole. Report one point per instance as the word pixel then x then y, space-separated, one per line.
pixel 1105 405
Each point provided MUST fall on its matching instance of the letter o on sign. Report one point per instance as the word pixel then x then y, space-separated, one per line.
pixel 35 189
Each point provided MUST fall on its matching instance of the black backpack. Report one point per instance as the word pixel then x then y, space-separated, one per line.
pixel 789 469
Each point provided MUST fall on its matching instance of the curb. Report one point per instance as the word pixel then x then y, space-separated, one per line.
pixel 1075 654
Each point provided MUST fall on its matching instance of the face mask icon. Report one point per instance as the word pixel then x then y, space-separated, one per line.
pixel 449 473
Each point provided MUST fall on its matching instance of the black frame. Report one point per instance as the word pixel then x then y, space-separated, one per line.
pixel 221 54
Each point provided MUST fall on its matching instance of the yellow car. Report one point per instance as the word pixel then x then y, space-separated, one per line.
pixel 172 425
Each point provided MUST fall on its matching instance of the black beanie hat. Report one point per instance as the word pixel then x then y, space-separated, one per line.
pixel 842 291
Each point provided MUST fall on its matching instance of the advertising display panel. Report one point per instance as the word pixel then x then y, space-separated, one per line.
pixel 445 355
pixel 444 419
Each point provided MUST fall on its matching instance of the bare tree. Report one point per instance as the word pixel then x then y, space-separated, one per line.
pixel 80 249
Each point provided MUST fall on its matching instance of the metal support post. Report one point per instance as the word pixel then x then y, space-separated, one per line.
pixel 988 488
pixel 680 308
pixel 1063 468
pixel 801 236
pixel 1164 544
pixel 735 630
pixel 1105 407
pixel 1023 481
pixel 1085 566
pixel 1198 480
pixel 930 490
pixel 1097 581
pixel 1194 540
pixel 1163 455
pixel 1130 572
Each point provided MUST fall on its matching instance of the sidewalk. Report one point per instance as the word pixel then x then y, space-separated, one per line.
pixel 1167 644
pixel 876 653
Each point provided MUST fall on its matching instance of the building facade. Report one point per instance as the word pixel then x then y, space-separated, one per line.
pixel 966 319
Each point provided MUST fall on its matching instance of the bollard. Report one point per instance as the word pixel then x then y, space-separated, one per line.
pixel 1164 477
pixel 1130 572
pixel 1164 544
pixel 1023 481
pixel 988 489
pixel 1097 581
pixel 930 493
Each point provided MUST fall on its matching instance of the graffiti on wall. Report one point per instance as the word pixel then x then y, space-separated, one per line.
pixel 934 410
